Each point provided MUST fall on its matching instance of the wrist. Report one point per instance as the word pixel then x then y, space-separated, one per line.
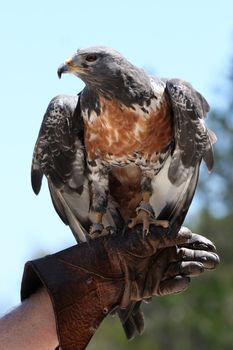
pixel 81 298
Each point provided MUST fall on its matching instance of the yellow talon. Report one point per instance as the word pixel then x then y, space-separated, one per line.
pixel 143 217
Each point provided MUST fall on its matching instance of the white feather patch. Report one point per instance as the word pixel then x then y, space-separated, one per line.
pixel 164 191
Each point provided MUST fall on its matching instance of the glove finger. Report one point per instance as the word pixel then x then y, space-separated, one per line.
pixel 200 243
pixel 169 240
pixel 172 286
pixel 208 259
pixel 184 268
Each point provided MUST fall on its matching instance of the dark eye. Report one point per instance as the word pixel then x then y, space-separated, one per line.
pixel 91 58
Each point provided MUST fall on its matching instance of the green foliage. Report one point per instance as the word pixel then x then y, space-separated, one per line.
pixel 201 317
pixel 216 191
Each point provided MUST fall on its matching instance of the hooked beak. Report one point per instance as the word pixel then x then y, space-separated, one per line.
pixel 69 67
pixel 62 69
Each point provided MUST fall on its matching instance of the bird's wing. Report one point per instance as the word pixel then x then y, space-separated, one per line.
pixel 193 141
pixel 59 155
pixel 55 153
pixel 175 185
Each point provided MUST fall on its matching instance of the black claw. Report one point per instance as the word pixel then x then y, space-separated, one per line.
pixel 111 230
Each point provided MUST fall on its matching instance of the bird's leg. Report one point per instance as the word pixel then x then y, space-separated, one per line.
pixel 97 228
pixel 99 190
pixel 145 212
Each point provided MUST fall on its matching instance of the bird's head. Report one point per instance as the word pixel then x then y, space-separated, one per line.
pixel 95 65
pixel 108 72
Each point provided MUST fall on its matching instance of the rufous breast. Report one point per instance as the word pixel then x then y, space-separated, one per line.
pixel 121 131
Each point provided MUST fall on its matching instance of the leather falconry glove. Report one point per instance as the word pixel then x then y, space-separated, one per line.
pixel 169 272
pixel 88 281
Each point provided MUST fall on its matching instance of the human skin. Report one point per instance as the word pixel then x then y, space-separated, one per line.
pixel 31 325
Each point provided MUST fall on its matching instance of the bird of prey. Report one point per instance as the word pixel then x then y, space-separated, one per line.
pixel 128 144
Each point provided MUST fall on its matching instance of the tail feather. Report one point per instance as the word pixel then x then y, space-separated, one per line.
pixel 132 319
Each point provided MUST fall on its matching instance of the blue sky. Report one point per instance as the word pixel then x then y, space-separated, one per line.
pixel 191 40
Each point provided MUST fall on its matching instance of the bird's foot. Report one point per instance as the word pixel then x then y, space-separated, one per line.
pixel 98 230
pixel 145 216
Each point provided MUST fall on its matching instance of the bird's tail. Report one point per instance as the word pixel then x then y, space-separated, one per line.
pixel 132 319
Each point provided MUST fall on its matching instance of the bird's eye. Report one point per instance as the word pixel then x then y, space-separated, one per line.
pixel 91 58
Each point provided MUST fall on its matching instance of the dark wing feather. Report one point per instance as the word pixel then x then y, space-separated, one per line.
pixel 57 144
pixel 59 155
pixel 193 141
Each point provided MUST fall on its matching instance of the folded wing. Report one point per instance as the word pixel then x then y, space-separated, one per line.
pixel 59 155
pixel 175 185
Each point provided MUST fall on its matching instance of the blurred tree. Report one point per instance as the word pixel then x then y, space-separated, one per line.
pixel 216 191
pixel 201 317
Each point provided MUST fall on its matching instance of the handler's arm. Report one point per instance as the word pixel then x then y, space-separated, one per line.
pixel 30 326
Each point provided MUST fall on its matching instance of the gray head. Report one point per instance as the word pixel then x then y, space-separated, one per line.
pixel 107 71
pixel 93 61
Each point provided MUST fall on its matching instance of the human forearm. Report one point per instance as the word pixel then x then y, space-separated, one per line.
pixel 30 326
